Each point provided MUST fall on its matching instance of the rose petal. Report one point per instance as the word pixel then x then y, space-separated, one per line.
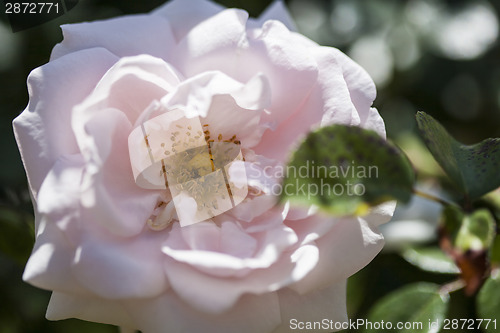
pixel 131 85
pixel 215 295
pixel 207 40
pixel 299 213
pixel 49 264
pixel 343 95
pixel 290 68
pixel 123 36
pixel 254 95
pixel 110 196
pixel 168 313
pixel 305 258
pixel 266 221
pixel 345 249
pixel 43 130
pixel 316 306
pixel 250 208
pixel 236 242
pixel 227 106
pixel 291 71
pixel 91 308
pixel 184 17
pixel 381 214
pixel 328 102
pixel 221 119
pixel 60 199
pixel 361 87
pixel 120 269
pixel 312 227
pixel 60 192
pixel 204 236
pixel 374 122
pixel 264 175
pixel 218 256
pixel 227 239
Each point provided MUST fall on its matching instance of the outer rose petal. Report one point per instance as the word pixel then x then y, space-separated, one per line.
pixel 123 36
pixel 184 17
pixel 110 196
pixel 97 262
pixel 50 262
pixel 381 214
pixel 291 71
pixel 168 313
pixel 43 130
pixel 344 250
pixel 91 308
pixel 326 303
pixel 49 266
pixel 361 86
pixel 311 227
pixel 328 102
pixel 204 43
pixel 60 191
pixel 374 122
pixel 121 269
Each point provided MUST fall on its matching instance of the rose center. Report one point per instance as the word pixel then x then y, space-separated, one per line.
pixel 199 171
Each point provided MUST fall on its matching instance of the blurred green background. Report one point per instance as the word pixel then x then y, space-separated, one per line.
pixel 442 57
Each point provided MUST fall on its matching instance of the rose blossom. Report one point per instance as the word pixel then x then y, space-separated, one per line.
pixel 113 252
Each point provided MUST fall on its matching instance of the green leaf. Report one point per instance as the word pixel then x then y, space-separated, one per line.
pixel 416 303
pixel 488 302
pixel 344 170
pixel 431 259
pixel 474 231
pixel 451 220
pixel 474 168
pixel 477 232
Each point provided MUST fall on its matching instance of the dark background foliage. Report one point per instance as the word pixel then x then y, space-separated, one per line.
pixel 433 55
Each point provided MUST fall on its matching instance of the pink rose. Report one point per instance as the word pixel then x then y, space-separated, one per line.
pixel 113 252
